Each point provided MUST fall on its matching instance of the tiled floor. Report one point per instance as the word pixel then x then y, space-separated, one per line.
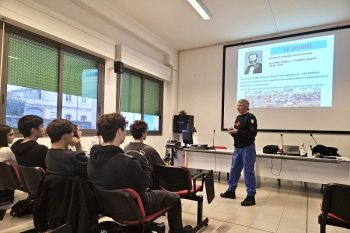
pixel 287 209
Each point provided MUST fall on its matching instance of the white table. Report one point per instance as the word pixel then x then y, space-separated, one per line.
pixel 314 170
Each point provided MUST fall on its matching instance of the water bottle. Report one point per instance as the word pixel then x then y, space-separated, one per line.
pixel 309 152
pixel 302 149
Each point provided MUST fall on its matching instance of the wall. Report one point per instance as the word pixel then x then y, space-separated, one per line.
pixel 200 93
pixel 39 19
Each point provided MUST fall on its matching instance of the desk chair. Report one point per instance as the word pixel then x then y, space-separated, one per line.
pixel 31 177
pixel 9 180
pixel 335 207
pixel 65 228
pixel 64 200
pixel 180 181
pixel 9 177
pixel 125 207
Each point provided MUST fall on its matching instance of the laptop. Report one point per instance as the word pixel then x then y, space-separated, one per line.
pixel 291 150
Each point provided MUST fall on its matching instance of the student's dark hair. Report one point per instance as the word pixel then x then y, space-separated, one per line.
pixel 27 123
pixel 4 130
pixel 108 124
pixel 59 127
pixel 76 131
pixel 137 128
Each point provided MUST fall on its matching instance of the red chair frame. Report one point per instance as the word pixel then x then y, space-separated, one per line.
pixel 125 207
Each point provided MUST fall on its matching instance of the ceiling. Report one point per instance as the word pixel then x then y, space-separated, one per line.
pixel 175 25
pixel 179 25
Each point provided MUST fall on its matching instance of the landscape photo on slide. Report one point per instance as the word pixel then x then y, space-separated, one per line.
pixel 285 97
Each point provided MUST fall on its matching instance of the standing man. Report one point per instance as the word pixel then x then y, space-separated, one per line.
pixel 244 132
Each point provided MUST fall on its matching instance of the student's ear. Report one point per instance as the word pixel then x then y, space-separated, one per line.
pixel 33 131
pixel 64 137
pixel 119 132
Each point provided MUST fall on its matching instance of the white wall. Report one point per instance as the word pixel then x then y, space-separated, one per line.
pixel 200 93
pixel 39 19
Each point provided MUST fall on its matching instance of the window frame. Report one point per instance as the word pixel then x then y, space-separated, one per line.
pixel 143 77
pixel 61 48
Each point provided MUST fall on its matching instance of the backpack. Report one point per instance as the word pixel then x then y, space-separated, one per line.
pixel 325 150
pixel 22 208
pixel 270 149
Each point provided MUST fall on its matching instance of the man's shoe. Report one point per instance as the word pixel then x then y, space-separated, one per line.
pixel 188 229
pixel 228 194
pixel 248 201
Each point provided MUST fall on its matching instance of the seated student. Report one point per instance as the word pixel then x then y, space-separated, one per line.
pixel 59 160
pixel 7 135
pixel 138 131
pixel 109 168
pixel 27 151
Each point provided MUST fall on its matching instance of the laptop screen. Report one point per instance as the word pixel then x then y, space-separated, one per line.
pixel 290 149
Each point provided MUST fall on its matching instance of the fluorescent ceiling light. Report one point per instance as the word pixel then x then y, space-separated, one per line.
pixel 202 10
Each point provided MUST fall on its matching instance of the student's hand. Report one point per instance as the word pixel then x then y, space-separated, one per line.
pixel 76 142
pixel 232 131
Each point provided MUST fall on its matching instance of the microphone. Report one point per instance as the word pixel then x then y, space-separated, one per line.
pixel 282 143
pixel 313 138
pixel 213 139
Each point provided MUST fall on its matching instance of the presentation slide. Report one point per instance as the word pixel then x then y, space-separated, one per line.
pixel 297 73
pixel 296 82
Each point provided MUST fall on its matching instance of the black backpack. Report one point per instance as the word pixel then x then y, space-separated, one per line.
pixel 22 208
pixel 325 150
pixel 270 149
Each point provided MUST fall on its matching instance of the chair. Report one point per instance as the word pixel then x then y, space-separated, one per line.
pixel 9 177
pixel 125 207
pixel 335 207
pixel 66 228
pixel 180 181
pixel 9 180
pixel 31 177
pixel 66 199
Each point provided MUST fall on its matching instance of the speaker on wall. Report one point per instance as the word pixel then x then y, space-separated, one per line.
pixel 118 67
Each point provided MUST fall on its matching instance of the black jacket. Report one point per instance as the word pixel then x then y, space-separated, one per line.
pixel 109 168
pixel 30 154
pixel 66 199
pixel 66 162
pixel 257 68
pixel 247 130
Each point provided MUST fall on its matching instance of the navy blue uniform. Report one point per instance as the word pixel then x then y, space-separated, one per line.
pixel 244 155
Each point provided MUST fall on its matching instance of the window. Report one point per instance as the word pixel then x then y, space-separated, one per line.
pixel 68 98
pixel 32 82
pixel 68 117
pixel 151 101
pixel 83 118
pixel 130 97
pixel 80 81
pixel 140 99
pixel 48 79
